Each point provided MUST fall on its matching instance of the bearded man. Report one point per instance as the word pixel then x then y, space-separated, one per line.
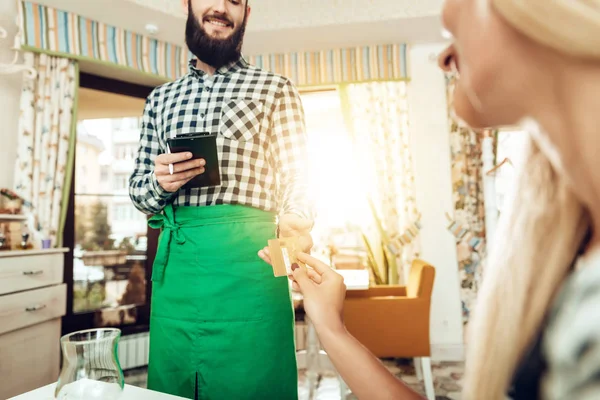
pixel 221 324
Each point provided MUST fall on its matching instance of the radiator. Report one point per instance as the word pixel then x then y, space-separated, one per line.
pixel 133 351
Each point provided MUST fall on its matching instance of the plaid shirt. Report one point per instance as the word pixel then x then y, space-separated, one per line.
pixel 258 119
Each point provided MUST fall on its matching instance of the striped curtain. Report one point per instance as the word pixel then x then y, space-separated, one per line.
pixel 469 207
pixel 56 32
pixel 340 66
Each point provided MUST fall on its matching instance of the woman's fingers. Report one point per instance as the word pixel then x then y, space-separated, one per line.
pixel 314 275
pixel 304 282
pixel 296 287
pixel 312 262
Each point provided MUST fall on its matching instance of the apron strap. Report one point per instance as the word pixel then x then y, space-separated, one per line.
pixel 169 230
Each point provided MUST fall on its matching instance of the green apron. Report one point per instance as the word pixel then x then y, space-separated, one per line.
pixel 221 325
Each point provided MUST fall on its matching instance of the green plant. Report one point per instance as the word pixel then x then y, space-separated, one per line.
pixel 374 266
pixel 88 296
pixel 385 272
pixel 9 194
pixel 126 245
pixel 92 228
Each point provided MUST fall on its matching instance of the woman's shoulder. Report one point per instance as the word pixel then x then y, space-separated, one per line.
pixel 572 336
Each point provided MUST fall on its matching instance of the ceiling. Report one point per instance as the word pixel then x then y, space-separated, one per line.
pixel 270 15
pixel 95 104
pixel 277 26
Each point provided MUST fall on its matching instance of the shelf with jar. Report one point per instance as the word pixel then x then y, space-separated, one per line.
pixel 14 235
pixel 15 225
pixel 11 204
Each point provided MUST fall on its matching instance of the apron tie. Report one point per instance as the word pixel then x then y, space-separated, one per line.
pixel 170 229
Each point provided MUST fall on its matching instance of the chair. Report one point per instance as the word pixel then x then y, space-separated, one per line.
pixel 393 321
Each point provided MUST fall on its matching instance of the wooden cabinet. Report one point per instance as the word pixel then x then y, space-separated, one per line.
pixel 32 303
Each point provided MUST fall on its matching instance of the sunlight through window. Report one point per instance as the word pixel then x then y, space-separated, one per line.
pixel 340 181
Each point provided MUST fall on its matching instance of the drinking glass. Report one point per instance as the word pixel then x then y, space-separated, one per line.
pixel 91 369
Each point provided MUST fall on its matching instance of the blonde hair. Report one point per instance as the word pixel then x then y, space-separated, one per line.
pixel 568 26
pixel 540 233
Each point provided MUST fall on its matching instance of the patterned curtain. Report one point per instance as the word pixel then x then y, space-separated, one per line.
pixel 46 140
pixel 377 116
pixel 468 196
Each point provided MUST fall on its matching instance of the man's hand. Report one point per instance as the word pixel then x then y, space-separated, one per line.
pixel 292 225
pixel 184 170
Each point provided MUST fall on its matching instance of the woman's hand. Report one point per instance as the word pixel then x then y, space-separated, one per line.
pixel 323 291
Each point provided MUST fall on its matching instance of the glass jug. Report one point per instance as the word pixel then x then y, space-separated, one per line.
pixel 91 369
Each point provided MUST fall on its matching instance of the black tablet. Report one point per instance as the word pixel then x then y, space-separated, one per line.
pixel 201 146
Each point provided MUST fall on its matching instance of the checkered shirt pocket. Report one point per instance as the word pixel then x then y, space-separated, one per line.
pixel 241 119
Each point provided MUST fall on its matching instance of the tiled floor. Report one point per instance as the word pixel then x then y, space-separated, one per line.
pixel 447 380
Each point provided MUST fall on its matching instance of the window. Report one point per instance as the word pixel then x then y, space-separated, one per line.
pixel 126 212
pixel 104 173
pixel 120 153
pixel 121 182
pixel 338 182
pixel 110 245
pixel 125 124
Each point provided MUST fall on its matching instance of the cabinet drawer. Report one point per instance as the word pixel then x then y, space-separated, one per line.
pixel 32 307
pixel 30 272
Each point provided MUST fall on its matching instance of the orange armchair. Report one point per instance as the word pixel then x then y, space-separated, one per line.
pixel 393 321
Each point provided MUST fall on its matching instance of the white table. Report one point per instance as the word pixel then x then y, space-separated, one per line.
pixel 130 393
pixel 355 279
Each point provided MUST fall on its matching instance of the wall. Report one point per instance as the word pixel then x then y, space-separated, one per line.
pixel 10 92
pixel 430 141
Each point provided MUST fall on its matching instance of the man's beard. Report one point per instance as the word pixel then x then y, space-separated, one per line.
pixel 214 52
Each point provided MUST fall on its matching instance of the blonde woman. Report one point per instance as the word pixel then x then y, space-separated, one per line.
pixel 536 331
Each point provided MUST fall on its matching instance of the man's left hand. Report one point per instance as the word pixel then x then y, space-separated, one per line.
pixel 292 225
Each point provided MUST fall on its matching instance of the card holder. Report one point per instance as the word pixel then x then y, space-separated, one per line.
pixel 201 146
